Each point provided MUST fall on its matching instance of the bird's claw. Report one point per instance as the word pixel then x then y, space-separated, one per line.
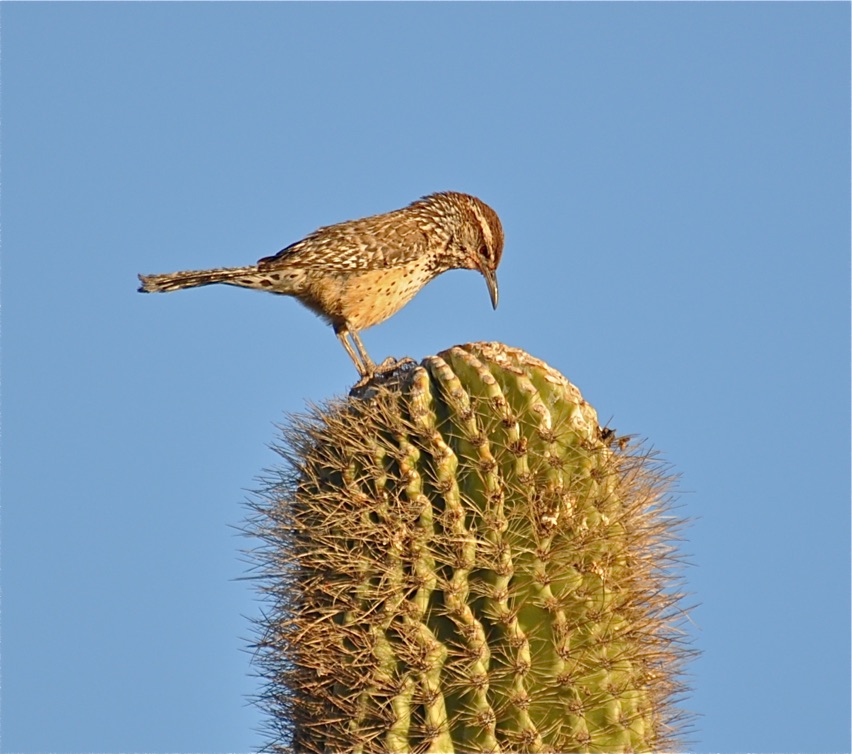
pixel 380 373
pixel 390 364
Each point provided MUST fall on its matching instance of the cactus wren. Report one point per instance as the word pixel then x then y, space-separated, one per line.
pixel 358 273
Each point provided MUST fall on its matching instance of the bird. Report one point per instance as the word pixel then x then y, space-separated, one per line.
pixel 358 273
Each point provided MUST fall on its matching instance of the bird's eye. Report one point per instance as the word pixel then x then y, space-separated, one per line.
pixel 484 251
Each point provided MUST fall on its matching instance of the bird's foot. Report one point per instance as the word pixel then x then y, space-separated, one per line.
pixel 379 374
pixel 390 364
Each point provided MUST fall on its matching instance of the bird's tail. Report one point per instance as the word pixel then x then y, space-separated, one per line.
pixel 174 281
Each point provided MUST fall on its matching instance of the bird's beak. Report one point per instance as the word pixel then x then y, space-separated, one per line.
pixel 491 281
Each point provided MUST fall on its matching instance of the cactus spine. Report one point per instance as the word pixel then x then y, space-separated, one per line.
pixel 464 561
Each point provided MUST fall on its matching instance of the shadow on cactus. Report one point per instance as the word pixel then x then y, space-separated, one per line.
pixel 462 560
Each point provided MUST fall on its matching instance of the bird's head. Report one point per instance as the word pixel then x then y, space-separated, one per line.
pixel 481 242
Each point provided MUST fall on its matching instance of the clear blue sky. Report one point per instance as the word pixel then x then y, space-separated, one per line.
pixel 673 181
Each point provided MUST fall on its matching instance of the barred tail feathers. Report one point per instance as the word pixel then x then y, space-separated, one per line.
pixel 174 281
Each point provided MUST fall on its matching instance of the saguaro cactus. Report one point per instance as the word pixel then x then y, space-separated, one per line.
pixel 464 560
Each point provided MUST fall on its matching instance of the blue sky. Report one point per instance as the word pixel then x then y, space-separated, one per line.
pixel 673 180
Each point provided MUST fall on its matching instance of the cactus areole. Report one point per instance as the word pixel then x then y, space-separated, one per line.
pixel 463 560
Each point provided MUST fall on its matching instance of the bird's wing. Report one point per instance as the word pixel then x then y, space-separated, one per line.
pixel 359 245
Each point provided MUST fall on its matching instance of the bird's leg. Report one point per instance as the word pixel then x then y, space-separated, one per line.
pixel 369 366
pixel 365 370
pixel 388 365
pixel 363 363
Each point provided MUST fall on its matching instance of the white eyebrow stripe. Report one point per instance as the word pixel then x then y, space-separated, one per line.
pixel 486 228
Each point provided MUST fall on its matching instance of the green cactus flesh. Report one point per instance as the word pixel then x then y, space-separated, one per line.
pixel 463 561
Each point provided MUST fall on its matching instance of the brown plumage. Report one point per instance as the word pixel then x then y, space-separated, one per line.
pixel 358 273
